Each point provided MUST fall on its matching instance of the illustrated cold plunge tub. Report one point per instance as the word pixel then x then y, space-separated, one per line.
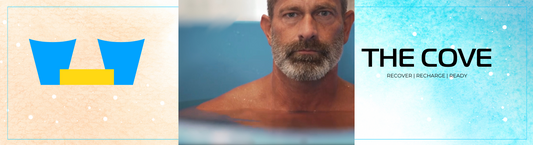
pixel 123 58
pixel 50 57
pixel 52 60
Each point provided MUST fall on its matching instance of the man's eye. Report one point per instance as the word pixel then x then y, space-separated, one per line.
pixel 324 13
pixel 291 15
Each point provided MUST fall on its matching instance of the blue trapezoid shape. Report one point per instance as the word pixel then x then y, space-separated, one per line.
pixel 50 57
pixel 123 57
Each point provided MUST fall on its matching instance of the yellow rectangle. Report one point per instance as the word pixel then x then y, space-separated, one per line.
pixel 86 77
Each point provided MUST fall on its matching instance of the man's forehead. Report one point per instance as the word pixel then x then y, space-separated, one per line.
pixel 306 4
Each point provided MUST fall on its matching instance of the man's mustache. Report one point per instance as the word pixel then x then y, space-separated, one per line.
pixel 309 45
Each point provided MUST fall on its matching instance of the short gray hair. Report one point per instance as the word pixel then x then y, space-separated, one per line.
pixel 271 3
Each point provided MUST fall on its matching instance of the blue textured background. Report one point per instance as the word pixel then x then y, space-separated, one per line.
pixel 214 61
pixel 472 104
pixel 462 111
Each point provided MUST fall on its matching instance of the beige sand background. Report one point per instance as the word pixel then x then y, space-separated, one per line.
pixel 145 110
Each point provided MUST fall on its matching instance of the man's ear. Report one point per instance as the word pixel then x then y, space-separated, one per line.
pixel 348 22
pixel 266 26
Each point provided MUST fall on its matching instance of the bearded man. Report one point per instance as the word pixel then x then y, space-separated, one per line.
pixel 307 38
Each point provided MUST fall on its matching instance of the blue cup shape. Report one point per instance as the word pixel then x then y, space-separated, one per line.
pixel 123 58
pixel 49 57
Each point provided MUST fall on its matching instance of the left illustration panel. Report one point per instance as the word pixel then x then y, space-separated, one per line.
pixel 92 72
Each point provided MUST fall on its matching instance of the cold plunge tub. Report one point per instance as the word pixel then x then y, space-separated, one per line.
pixel 213 61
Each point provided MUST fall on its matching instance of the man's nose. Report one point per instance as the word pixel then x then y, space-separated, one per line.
pixel 307 29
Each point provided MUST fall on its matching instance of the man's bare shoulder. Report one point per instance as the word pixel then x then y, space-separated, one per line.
pixel 346 98
pixel 238 98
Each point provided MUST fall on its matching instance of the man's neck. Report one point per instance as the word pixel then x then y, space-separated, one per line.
pixel 292 95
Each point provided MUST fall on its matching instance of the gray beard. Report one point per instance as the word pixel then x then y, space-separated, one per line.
pixel 306 67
